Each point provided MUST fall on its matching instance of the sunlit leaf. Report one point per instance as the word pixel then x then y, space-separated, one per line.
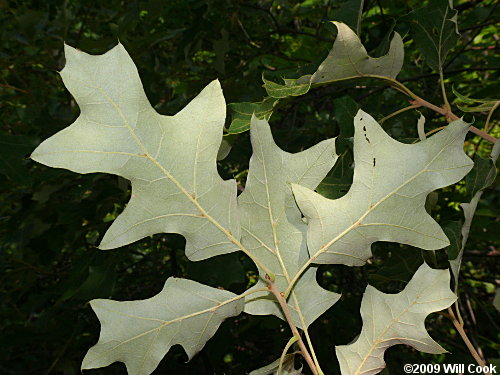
pixel 170 160
pixel 348 59
pixel 386 201
pixel 272 228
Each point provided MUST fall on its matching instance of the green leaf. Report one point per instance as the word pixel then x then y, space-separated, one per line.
pixel 350 13
pixel 435 31
pixel 170 160
pixel 496 299
pixel 224 150
pixel 272 227
pixel 291 87
pixel 392 319
pixel 399 267
pixel 99 283
pixel 140 333
pixel 272 368
pixel 242 114
pixel 485 105
pixel 339 180
pixel 344 109
pixel 386 201
pixel 348 59
pixel 482 178
pixel 452 230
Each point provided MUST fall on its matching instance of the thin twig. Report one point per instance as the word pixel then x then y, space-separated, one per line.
pixel 443 90
pixel 494 22
pixel 283 354
pixel 413 106
pixel 288 316
pixel 422 76
pixel 486 126
pixel 311 348
pixel 61 353
pixel 450 116
pixel 382 15
pixel 463 334
pixel 265 10
pixel 6 85
pixel 464 47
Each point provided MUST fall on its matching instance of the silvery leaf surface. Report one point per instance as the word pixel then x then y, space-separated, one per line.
pixel 140 333
pixel 386 201
pixel 348 59
pixel 393 319
pixel 170 160
pixel 272 226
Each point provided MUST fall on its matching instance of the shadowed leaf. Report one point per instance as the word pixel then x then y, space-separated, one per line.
pixel 140 333
pixel 393 319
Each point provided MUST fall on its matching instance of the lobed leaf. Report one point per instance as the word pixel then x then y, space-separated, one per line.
pixel 171 163
pixel 348 59
pixel 272 227
pixel 393 319
pixel 170 160
pixel 140 333
pixel 435 31
pixel 386 201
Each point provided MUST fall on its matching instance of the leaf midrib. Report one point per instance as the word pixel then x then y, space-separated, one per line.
pixel 358 222
pixel 165 323
pixel 379 339
pixel 193 200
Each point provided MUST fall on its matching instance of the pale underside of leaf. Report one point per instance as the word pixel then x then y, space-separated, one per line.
pixel 386 201
pixel 140 333
pixel 170 160
pixel 272 227
pixel 348 59
pixel 392 319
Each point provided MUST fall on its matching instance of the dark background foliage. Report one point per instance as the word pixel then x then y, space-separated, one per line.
pixel 51 220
